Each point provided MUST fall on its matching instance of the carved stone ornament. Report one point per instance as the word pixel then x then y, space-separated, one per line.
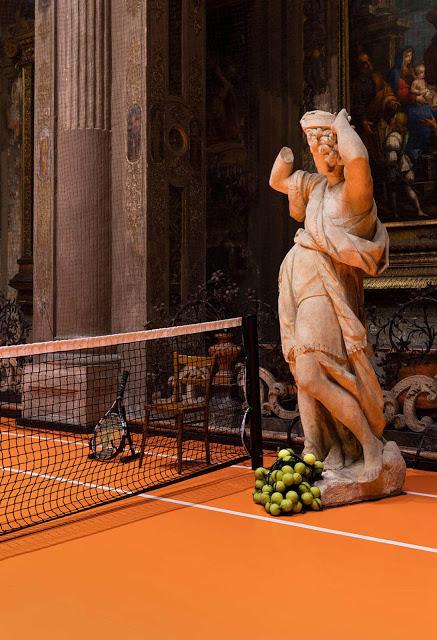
pixel 43 88
pixel 43 210
pixel 20 41
pixel 272 392
pixel 134 166
pixel 197 17
pixel 158 201
pixel 133 150
pixel 43 154
pixel 157 74
pixel 134 200
pixel 133 72
pixel 133 7
pixel 196 83
pixel 412 387
pixel 157 9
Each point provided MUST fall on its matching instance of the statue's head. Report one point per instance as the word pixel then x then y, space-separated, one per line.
pixel 322 141
pixel 364 63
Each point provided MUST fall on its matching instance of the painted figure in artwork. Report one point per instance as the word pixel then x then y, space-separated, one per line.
pixel 419 86
pixel 419 110
pixel 323 335
pixel 399 168
pixel 134 133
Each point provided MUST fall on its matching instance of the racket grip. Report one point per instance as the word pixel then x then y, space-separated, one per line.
pixel 122 385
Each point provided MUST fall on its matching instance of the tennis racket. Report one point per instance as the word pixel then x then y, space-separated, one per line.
pixel 111 432
pixel 244 429
pixel 244 432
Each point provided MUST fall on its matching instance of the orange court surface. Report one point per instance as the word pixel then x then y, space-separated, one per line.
pixel 199 559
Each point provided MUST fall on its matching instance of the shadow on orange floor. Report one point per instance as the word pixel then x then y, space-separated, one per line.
pixel 229 489
pixel 201 489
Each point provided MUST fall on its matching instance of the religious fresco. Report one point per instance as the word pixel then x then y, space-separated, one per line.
pixel 393 95
pixel 134 133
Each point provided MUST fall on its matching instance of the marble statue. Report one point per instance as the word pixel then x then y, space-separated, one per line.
pixel 323 335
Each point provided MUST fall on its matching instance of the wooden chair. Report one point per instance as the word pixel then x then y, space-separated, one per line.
pixel 189 373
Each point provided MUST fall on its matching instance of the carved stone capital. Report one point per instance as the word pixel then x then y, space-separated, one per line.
pixel 19 43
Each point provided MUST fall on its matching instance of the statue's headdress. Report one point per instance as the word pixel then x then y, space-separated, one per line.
pixel 314 119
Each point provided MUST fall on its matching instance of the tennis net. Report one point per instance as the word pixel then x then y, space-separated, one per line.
pixel 89 421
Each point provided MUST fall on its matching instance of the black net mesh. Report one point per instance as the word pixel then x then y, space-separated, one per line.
pixel 73 438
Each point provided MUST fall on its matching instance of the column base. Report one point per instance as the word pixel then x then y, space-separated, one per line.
pixel 22 282
pixel 62 392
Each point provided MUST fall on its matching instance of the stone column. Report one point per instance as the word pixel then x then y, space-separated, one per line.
pixel 44 178
pixel 83 200
pixel 73 209
pixel 128 124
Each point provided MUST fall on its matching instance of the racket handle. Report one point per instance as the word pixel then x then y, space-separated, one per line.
pixel 122 385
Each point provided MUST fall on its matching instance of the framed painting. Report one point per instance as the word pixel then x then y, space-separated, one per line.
pixel 390 62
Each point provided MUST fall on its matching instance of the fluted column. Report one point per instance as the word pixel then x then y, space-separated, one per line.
pixel 82 230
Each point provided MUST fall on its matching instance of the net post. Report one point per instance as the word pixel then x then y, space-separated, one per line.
pixel 250 334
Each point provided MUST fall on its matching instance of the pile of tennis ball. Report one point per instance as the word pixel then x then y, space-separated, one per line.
pixel 287 487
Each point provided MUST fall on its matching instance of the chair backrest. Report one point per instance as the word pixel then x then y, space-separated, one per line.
pixel 199 365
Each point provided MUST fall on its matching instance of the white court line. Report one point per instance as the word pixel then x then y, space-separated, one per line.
pixel 251 516
pixel 79 443
pixel 47 476
pixel 240 514
pixel 417 493
pixel 76 443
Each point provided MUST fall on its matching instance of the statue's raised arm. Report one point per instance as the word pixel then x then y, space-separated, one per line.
pixel 281 170
pixel 358 189
pixel 296 184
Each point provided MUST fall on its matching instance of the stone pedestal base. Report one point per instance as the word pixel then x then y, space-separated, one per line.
pixel 342 487
pixel 74 392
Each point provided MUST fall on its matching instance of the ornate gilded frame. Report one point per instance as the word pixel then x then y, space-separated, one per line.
pixel 413 243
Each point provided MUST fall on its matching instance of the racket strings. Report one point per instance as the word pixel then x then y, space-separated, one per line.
pixel 108 437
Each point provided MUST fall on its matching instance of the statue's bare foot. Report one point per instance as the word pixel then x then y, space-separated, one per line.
pixel 372 461
pixel 334 459
pixel 313 450
pixel 350 458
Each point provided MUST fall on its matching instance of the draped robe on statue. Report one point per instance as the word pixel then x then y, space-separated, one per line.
pixel 321 300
